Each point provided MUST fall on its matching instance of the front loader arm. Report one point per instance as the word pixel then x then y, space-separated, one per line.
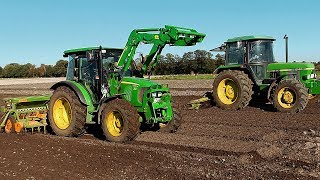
pixel 159 37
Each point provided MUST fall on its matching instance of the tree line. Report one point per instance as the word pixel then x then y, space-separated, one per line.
pixel 15 70
pixel 198 62
pixel 195 62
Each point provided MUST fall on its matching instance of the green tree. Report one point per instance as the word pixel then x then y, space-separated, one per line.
pixel 219 60
pixel 170 60
pixel 26 70
pixel 1 71
pixel 203 61
pixel 60 69
pixel 11 70
pixel 49 70
pixel 42 70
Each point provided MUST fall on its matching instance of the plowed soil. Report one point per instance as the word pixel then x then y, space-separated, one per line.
pixel 254 143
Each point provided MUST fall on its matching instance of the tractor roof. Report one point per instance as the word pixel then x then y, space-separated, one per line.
pixel 250 38
pixel 79 50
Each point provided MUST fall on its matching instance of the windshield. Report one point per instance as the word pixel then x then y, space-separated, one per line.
pixel 261 51
pixel 235 53
pixel 111 56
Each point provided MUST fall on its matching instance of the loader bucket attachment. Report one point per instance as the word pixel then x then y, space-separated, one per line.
pixel 197 103
pixel 184 36
pixel 159 37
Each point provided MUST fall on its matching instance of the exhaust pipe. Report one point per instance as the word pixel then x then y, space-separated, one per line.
pixel 286 40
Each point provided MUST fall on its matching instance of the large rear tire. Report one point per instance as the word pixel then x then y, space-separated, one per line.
pixel 119 121
pixel 290 96
pixel 67 114
pixel 232 89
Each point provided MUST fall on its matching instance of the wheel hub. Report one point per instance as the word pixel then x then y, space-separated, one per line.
pixel 227 91
pixel 288 97
pixel 114 123
pixel 62 113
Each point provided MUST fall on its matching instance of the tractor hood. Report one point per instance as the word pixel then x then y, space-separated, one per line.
pixel 290 66
pixel 138 90
pixel 141 82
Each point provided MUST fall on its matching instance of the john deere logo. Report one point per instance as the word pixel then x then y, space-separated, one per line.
pixel 156 36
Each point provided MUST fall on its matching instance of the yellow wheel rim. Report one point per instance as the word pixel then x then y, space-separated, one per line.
pixel 286 98
pixel 62 113
pixel 227 91
pixel 114 123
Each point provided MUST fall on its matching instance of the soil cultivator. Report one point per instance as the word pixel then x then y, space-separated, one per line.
pixel 25 114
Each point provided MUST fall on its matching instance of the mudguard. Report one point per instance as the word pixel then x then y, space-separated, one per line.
pixel 72 86
pixel 83 95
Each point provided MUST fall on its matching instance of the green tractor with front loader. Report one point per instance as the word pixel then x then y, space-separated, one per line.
pixel 250 72
pixel 105 86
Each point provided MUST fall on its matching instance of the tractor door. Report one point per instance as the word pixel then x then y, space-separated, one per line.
pixel 109 58
pixel 235 53
pixel 88 74
pixel 260 54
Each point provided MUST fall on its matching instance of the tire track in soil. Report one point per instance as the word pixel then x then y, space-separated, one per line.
pixel 211 143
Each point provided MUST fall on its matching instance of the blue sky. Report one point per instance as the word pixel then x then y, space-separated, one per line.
pixel 38 31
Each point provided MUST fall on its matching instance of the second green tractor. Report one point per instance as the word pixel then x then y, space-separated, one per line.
pixel 250 71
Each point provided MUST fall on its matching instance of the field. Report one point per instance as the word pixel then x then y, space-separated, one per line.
pixel 254 143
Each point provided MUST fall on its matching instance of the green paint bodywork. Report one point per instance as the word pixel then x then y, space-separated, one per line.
pixel 301 72
pixel 159 37
pixel 85 49
pixel 290 66
pixel 91 109
pixel 25 110
pixel 249 38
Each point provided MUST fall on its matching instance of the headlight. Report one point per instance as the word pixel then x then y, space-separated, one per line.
pixel 157 100
pixel 154 94
pixel 312 76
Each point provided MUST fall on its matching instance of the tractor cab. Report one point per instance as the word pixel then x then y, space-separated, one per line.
pixel 89 66
pixel 254 51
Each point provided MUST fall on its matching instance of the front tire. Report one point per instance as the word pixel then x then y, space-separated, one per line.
pixel 290 96
pixel 232 89
pixel 67 114
pixel 120 121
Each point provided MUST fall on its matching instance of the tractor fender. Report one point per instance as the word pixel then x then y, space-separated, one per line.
pixel 72 86
pixel 103 104
pixel 243 68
